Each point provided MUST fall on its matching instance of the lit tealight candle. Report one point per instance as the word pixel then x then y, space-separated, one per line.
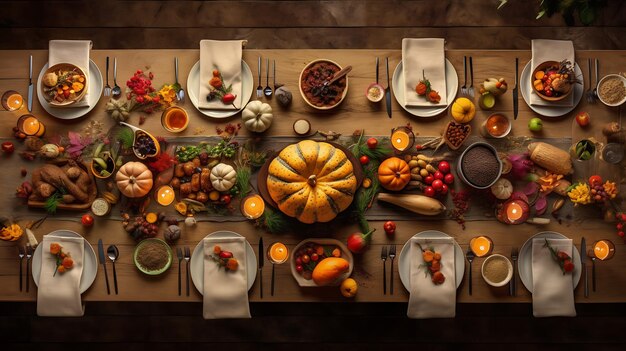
pixel 30 125
pixel 514 211
pixel 165 195
pixel 278 253
pixel 401 138
pixel 481 245
pixel 14 102
pixel 252 207
pixel 603 249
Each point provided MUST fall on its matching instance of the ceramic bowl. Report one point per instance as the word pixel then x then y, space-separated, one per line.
pixel 63 67
pixel 461 174
pixel 144 269
pixel 509 267
pixel 542 66
pixel 345 253
pixel 343 96
pixel 602 81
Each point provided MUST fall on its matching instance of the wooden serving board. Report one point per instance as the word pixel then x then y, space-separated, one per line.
pixel 263 172
pixel 93 193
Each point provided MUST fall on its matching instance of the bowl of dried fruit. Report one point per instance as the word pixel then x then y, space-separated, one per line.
pixel 63 84
pixel 554 81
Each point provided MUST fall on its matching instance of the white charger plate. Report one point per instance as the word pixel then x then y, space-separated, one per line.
pixel 404 261
pixel 193 89
pixel 525 263
pixel 95 91
pixel 549 111
pixel 452 85
pixel 90 262
pixel 197 260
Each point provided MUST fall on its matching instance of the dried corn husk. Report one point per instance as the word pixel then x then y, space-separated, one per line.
pixel 550 157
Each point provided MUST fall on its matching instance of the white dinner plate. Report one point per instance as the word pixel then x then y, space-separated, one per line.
pixel 404 261
pixel 197 260
pixel 193 87
pixel 549 111
pixel 452 84
pixel 95 91
pixel 525 263
pixel 90 262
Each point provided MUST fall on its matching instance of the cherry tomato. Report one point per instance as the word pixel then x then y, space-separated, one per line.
pixel 306 259
pixel 228 98
pixel 299 268
pixel 364 160
pixel 225 199
pixel 437 185
pixel 315 257
pixel 444 167
pixel 372 143
pixel 226 254
pixel 298 261
pixel 87 220
pixel 429 191
pixel 389 227
pixel 449 178
pixel 595 180
pixel 438 175
pixel 444 189
pixel 429 179
pixel 548 92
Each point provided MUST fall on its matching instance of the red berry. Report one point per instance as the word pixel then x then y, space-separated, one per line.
pixel 298 261
pixel 437 185
pixel 364 160
pixel 620 226
pixel 621 234
pixel 306 259
pixel 299 268
pixel 87 220
pixel 225 199
pixel 389 227
pixel 315 257
pixel 444 189
pixel 444 167
pixel 372 143
pixel 449 178
pixel 418 147
pixel 429 179
pixel 623 215
pixel 429 191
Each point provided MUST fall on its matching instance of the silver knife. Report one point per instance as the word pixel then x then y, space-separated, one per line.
pixel 583 264
pixel 388 90
pixel 104 265
pixel 30 84
pixel 515 90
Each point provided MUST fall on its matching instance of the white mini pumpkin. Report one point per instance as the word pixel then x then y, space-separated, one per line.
pixel 223 177
pixel 257 116
pixel 502 189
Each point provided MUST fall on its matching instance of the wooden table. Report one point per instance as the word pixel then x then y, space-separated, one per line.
pixel 355 112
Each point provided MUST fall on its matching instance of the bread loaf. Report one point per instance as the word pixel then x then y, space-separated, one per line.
pixel 550 157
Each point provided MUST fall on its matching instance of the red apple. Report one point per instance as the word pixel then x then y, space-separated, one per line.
pixel 583 119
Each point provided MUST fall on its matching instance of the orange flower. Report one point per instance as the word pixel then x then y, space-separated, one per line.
pixel 433 96
pixel 61 269
pixel 217 249
pixel 55 248
pixel 232 264
pixel 215 82
pixel 68 263
pixel 421 88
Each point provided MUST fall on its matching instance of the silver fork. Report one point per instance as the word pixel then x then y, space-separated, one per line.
pixel 107 87
pixel 383 256
pixel 464 87
pixel 595 88
pixel 512 284
pixel 179 255
pixel 29 255
pixel 21 255
pixel 259 88
pixel 471 87
pixel 589 93
pixel 470 258
pixel 187 260
pixel 392 255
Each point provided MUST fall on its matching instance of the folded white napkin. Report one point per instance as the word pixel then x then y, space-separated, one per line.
pixel 426 299
pixel 225 292
pixel 75 52
pixel 58 295
pixel 224 56
pixel 553 291
pixel 550 50
pixel 423 57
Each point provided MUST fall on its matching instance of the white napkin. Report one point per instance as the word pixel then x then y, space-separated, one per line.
pixel 59 295
pixel 423 57
pixel 225 56
pixel 553 291
pixel 225 292
pixel 426 299
pixel 550 50
pixel 75 52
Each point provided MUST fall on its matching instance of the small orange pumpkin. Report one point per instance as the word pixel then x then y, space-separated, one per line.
pixel 394 174
pixel 134 179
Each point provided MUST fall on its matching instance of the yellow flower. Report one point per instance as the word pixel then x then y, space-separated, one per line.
pixel 581 194
pixel 168 93
pixel 610 189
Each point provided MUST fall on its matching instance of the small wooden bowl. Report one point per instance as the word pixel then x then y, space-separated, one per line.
pixel 64 67
pixel 542 67
pixel 448 142
pixel 343 96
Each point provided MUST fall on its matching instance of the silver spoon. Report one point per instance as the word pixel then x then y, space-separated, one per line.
pixel 113 253
pixel 268 90
pixel 181 92
pixel 117 91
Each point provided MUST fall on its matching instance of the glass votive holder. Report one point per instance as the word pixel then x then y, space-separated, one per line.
pixel 30 125
pixel 402 138
pixel 12 100
pixel 603 250
pixel 481 245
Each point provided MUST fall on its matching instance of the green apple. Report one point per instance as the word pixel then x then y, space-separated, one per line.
pixel 487 101
pixel 535 124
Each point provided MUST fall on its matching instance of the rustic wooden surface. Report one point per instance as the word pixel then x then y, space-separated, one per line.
pixel 136 287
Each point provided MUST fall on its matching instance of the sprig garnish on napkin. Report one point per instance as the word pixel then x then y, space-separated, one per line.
pixel 432 263
pixel 64 261
pixel 424 88
pixel 562 258
pixel 224 259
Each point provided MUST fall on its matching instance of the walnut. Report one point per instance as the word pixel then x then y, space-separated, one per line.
pixel 172 233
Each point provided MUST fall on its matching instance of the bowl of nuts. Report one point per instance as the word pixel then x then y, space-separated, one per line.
pixel 455 134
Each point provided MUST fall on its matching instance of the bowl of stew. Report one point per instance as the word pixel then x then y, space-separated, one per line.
pixel 313 90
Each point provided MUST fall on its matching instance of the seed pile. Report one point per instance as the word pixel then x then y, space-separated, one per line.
pixel 612 90
pixel 480 166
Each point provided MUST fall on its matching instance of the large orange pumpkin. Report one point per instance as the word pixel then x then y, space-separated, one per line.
pixel 394 174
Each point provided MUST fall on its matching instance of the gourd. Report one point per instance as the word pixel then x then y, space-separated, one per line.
pixel 311 181
pixel 329 270
pixel 134 179
pixel 495 86
pixel 463 110
pixel 502 189
pixel 415 203
pixel 223 177
pixel 257 116
pixel 394 174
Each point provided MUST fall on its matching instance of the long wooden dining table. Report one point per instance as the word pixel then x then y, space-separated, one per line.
pixel 356 112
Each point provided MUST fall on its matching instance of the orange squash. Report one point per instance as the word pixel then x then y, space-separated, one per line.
pixel 394 174
pixel 329 270
pixel 134 179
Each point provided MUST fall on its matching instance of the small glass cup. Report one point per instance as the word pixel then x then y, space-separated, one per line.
pixel 583 150
pixel 402 138
pixel 613 153
pixel 603 250
pixel 12 100
pixel 174 119
pixel 252 206
pixel 497 126
pixel 30 125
